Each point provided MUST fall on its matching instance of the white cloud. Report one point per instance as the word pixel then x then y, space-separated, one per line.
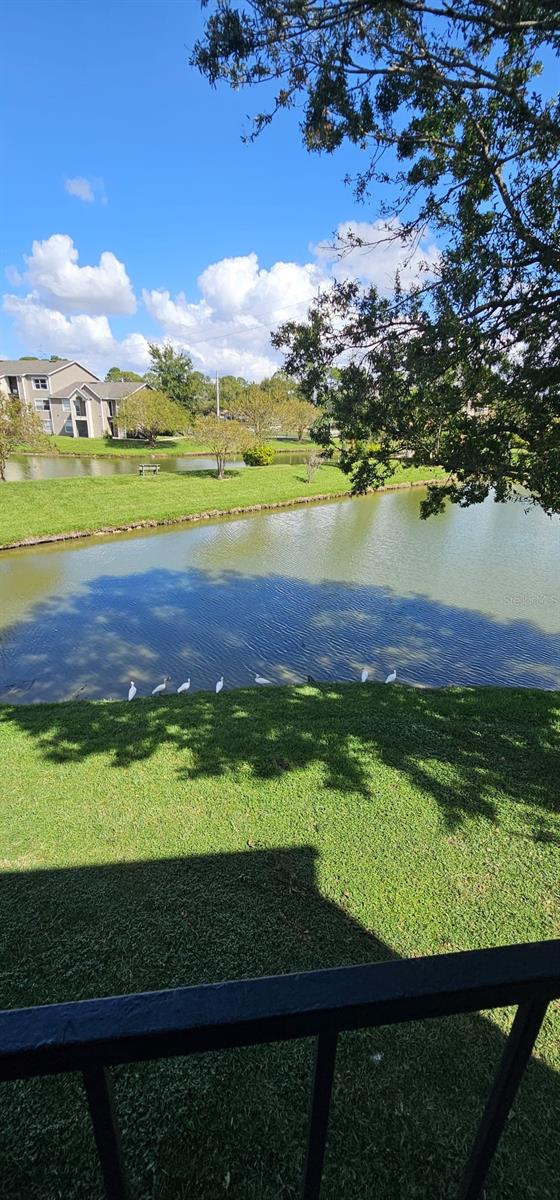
pixel 80 187
pixel 225 327
pixel 383 252
pixel 228 329
pixel 87 338
pixel 58 281
pixel 13 276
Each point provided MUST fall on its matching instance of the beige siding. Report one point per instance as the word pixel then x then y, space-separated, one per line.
pixel 59 416
pixel 70 374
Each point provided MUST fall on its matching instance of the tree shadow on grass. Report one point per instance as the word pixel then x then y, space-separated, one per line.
pixel 467 750
pixel 406 1101
pixel 463 748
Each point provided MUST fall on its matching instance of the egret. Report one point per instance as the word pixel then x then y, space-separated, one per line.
pixel 219 685
pixel 132 690
pixel 261 679
pixel 161 686
pixel 364 675
pixel 184 687
pixel 391 678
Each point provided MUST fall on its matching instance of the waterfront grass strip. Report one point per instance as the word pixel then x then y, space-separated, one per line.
pixel 194 839
pixel 41 510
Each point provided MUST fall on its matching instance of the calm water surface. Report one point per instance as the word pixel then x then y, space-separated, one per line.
pixel 61 466
pixel 469 597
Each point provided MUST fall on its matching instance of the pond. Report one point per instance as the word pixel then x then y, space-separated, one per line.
pixel 469 597
pixel 66 466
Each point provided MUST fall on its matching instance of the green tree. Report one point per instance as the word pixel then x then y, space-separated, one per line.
pixel 203 391
pixel 20 425
pixel 171 372
pixel 446 104
pixel 149 412
pixel 115 375
pixel 224 438
pixel 297 416
pixel 232 389
pixel 259 409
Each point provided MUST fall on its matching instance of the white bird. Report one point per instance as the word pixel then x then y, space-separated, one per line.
pixel 219 685
pixel 261 679
pixel 391 678
pixel 132 690
pixel 161 686
pixel 184 687
pixel 365 675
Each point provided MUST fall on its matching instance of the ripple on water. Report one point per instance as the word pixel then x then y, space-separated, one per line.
pixel 470 597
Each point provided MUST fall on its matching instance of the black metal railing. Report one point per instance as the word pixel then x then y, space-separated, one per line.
pixel 92 1035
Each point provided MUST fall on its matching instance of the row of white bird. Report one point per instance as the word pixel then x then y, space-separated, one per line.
pixel 260 679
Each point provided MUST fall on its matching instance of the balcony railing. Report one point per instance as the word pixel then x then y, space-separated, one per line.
pixel 91 1036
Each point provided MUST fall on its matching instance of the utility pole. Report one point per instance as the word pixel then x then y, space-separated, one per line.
pixel 217 395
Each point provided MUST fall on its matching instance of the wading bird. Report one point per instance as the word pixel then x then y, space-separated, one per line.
pixel 161 686
pixel 391 678
pixel 184 687
pixel 219 685
pixel 132 690
pixel 365 675
pixel 261 679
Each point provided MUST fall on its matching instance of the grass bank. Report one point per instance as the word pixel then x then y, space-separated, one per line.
pixel 133 448
pixel 169 842
pixel 42 510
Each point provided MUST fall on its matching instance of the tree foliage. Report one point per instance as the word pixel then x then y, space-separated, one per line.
pixel 298 415
pixel 115 375
pixel 259 409
pixel 148 412
pixel 447 104
pixel 225 438
pixel 20 425
pixel 171 372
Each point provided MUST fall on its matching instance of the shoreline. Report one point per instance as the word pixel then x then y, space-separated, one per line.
pixel 207 515
pixel 150 453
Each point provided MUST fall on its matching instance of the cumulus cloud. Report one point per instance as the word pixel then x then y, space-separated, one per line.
pixel 80 187
pixel 87 338
pixel 228 328
pixel 225 327
pixel 383 251
pixel 59 282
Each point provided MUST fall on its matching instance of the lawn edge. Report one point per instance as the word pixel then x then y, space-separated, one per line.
pixel 207 515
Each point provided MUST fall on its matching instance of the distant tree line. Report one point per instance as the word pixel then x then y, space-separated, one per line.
pixel 276 406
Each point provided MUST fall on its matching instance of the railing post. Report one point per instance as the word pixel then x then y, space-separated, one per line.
pixel 99 1091
pixel 518 1050
pixel 325 1055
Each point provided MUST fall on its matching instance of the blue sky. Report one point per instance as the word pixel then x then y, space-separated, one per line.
pixel 101 93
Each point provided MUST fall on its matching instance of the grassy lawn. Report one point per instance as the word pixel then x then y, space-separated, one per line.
pixel 127 447
pixel 53 506
pixel 170 842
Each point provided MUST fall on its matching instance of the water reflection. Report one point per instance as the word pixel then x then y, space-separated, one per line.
pixel 471 597
pixel 66 466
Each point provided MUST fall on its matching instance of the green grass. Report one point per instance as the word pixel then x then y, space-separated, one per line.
pixel 128 447
pixel 55 506
pixel 170 842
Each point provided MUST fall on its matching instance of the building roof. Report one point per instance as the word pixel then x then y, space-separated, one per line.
pixel 32 366
pixel 107 390
pixel 63 393
pixel 101 389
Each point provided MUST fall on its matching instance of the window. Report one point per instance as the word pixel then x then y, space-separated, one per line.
pixel 47 425
pixel 68 428
pixel 13 385
pixel 80 407
pixel 43 405
pixel 66 406
pixel 40 383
